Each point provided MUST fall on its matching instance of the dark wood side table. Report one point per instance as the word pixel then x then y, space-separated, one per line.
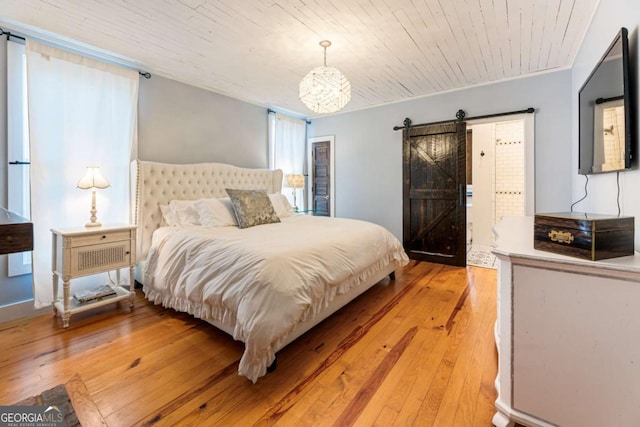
pixel 16 233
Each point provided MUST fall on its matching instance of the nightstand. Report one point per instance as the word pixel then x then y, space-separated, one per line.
pixel 83 251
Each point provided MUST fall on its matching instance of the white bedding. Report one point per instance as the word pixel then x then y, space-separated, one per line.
pixel 264 280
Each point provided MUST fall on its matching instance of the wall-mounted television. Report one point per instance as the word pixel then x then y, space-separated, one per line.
pixel 606 113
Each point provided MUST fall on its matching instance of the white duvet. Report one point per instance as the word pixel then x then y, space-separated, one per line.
pixel 264 280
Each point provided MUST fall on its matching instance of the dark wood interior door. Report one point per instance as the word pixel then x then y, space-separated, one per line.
pixel 321 178
pixel 434 193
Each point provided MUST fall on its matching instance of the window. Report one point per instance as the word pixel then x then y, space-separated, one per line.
pixel 82 112
pixel 18 147
pixel 287 145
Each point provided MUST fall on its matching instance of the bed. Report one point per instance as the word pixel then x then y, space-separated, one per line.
pixel 264 285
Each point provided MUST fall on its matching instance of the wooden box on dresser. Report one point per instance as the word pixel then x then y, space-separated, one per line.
pixel 84 251
pixel 582 235
pixel 567 335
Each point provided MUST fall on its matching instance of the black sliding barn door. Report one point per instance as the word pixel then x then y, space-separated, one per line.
pixel 434 193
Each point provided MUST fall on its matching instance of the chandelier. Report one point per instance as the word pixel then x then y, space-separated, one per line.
pixel 325 89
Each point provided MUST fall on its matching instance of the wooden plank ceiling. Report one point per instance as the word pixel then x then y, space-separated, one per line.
pixel 259 50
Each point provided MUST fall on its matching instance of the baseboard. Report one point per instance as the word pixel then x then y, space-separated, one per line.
pixel 20 310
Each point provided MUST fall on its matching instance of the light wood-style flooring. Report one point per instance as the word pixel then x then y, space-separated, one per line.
pixel 418 351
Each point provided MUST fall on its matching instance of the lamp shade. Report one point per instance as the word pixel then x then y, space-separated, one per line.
pixel 295 180
pixel 325 90
pixel 93 179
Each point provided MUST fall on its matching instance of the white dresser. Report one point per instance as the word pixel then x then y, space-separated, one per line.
pixel 568 335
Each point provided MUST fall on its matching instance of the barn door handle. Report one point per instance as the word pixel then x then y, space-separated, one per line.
pixel 461 194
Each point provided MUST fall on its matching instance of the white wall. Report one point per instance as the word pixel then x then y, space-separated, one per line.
pixel 610 16
pixel 369 152
pixel 179 123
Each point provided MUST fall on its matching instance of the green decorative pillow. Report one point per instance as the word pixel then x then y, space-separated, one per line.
pixel 252 207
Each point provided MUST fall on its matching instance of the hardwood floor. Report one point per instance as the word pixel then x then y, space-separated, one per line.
pixel 417 351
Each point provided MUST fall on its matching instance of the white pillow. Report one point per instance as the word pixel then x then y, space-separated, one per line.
pixel 185 212
pixel 215 212
pixel 168 217
pixel 281 205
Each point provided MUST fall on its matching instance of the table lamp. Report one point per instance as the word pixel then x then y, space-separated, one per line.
pixel 93 180
pixel 295 181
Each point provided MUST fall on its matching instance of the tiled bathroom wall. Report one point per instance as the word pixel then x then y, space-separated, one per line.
pixel 509 169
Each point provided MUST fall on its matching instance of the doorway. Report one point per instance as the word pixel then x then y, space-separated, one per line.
pixel 502 183
pixel 321 161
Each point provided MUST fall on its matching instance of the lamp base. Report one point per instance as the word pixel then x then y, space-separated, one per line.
pixel 92 219
pixel 295 205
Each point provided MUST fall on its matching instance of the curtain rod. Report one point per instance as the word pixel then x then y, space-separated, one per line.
pixel 460 116
pixel 145 74
pixel 269 111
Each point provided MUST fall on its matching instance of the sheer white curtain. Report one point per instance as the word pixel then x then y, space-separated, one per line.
pixel 287 150
pixel 82 112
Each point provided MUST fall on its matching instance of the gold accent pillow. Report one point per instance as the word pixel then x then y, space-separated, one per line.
pixel 252 207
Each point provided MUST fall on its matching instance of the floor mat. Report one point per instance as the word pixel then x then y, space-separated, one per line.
pixel 481 257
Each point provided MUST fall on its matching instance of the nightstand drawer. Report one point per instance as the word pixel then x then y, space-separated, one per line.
pixel 97 258
pixel 99 238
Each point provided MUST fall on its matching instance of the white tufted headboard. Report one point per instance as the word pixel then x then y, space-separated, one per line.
pixel 154 184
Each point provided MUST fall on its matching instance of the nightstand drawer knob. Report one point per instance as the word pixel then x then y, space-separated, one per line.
pixel 104 237
pixel 9 238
